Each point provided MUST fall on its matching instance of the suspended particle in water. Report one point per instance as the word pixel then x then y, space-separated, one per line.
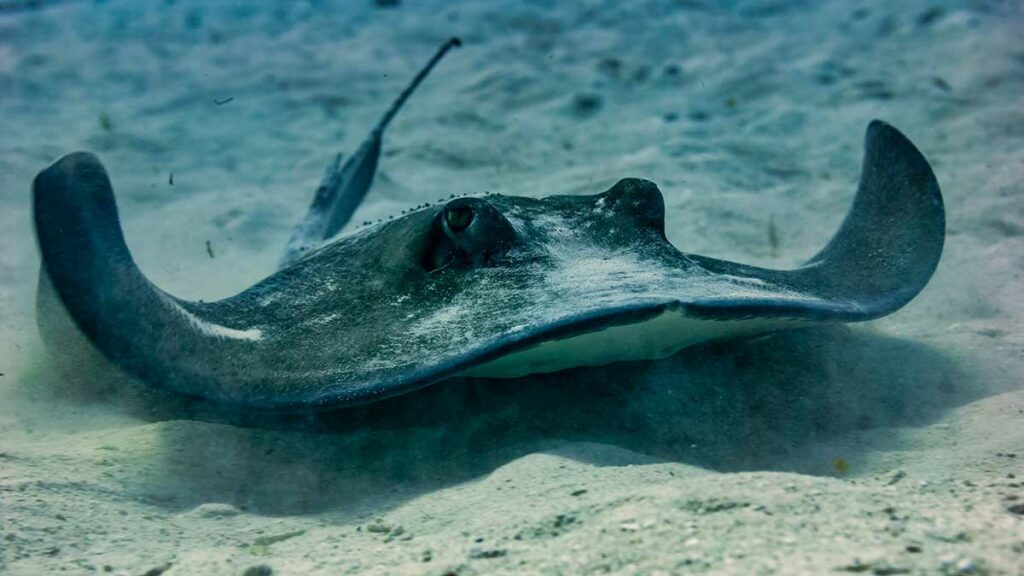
pixel 841 466
pixel 106 124
pixel 773 237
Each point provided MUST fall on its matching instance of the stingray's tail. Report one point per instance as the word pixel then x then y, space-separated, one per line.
pixel 890 243
pixel 344 186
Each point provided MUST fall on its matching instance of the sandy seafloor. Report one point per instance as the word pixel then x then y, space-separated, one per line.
pixel 886 448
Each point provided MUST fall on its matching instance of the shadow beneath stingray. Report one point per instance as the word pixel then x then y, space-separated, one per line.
pixel 730 406
pixel 759 404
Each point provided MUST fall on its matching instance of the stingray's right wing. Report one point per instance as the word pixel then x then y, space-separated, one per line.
pixel 882 256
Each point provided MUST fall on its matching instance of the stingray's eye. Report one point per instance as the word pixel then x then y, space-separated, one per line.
pixel 457 218
pixel 468 232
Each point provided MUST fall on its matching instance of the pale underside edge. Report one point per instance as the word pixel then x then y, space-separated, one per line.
pixel 659 337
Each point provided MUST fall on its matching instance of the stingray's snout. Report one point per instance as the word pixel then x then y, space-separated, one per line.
pixel 640 200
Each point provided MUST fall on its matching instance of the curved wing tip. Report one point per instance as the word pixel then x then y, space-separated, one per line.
pixel 879 124
pixel 897 158
pixel 54 180
pixel 74 161
pixel 882 133
pixel 79 156
pixel 885 144
pixel 879 127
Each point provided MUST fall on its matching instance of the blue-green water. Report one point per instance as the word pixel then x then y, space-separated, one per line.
pixel 885 447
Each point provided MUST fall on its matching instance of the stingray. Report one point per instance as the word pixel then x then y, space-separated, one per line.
pixel 488 286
